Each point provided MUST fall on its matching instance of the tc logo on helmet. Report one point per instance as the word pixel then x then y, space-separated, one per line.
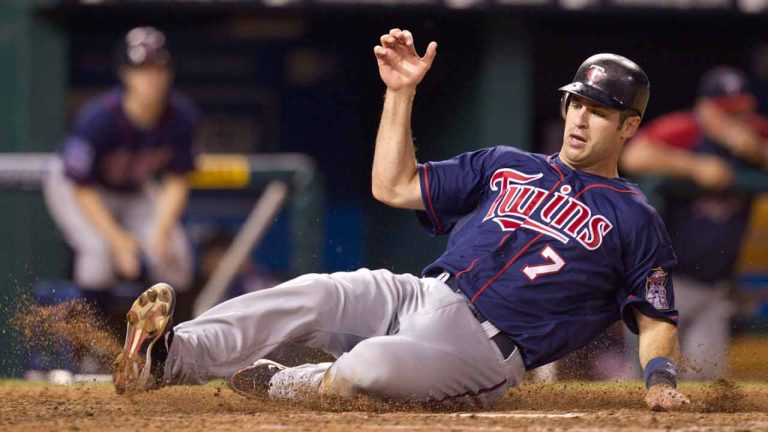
pixel 595 73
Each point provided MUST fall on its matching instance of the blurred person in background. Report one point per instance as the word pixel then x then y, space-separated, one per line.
pixel 119 221
pixel 706 146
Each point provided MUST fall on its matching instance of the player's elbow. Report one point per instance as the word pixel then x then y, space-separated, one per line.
pixel 384 194
pixel 391 196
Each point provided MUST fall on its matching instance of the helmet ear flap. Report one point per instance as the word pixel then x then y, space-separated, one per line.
pixel 564 101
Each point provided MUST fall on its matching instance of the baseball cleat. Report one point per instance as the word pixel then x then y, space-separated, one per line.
pixel 149 319
pixel 253 381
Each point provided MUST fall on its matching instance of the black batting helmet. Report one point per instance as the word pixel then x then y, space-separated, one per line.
pixel 143 46
pixel 612 81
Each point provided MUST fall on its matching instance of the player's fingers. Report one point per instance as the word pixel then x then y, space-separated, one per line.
pixel 387 41
pixel 681 399
pixel 129 267
pixel 385 55
pixel 672 400
pixel 397 34
pixel 408 37
pixel 429 56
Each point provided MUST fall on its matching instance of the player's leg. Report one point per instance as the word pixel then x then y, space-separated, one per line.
pixel 138 217
pixel 439 354
pixel 93 268
pixel 332 312
pixel 705 313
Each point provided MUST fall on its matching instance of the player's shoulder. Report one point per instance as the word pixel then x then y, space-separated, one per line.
pixel 673 125
pixel 184 108
pixel 636 208
pixel 513 156
pixel 675 117
pixel 99 110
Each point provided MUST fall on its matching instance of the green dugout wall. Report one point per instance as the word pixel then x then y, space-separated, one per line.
pixel 32 86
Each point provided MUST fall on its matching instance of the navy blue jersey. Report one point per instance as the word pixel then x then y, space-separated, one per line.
pixel 104 148
pixel 550 255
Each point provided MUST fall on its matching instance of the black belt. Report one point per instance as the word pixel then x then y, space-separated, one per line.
pixel 505 344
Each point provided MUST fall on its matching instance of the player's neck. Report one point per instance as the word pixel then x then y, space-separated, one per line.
pixel 605 168
pixel 141 113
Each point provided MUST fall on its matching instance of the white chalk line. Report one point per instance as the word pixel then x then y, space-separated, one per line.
pixel 519 415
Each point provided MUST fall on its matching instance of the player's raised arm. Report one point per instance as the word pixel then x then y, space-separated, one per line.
pixel 658 350
pixel 395 180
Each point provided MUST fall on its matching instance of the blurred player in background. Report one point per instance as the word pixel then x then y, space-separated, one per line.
pixel 120 223
pixel 705 145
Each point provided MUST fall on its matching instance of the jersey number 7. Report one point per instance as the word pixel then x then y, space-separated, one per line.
pixel 554 265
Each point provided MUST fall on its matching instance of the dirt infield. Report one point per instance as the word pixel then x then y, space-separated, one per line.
pixel 535 407
pixel 598 406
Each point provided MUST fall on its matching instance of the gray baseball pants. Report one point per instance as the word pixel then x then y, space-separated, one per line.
pixel 705 323
pixel 395 336
pixel 93 266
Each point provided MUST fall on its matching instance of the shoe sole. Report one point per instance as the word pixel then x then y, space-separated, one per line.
pixel 241 382
pixel 148 318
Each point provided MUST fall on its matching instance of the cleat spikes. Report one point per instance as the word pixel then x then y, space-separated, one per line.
pixel 164 296
pixel 132 317
pixel 149 319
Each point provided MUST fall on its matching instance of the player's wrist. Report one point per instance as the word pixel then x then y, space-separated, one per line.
pixel 660 371
pixel 402 92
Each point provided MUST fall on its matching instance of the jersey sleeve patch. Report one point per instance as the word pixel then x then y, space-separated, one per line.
pixel 656 289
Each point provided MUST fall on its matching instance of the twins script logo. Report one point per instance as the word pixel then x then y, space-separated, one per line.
pixel 560 217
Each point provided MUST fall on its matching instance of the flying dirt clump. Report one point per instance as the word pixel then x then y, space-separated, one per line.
pixel 73 322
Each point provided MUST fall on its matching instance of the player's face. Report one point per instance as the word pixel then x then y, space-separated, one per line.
pixel 593 136
pixel 149 83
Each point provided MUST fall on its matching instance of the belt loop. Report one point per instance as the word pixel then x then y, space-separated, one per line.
pixel 443 277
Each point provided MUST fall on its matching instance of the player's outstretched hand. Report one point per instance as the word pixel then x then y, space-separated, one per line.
pixel 400 66
pixel 662 397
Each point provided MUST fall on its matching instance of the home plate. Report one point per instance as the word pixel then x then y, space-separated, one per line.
pixel 519 415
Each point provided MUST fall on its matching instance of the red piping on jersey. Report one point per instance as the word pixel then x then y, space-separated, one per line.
pixel 438 228
pixel 562 177
pixel 629 191
pixel 503 239
pixel 472 264
pixel 506 266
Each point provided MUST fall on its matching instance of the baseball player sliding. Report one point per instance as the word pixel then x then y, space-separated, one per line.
pixel 545 253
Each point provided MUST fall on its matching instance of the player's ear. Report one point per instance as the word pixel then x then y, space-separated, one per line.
pixel 630 126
